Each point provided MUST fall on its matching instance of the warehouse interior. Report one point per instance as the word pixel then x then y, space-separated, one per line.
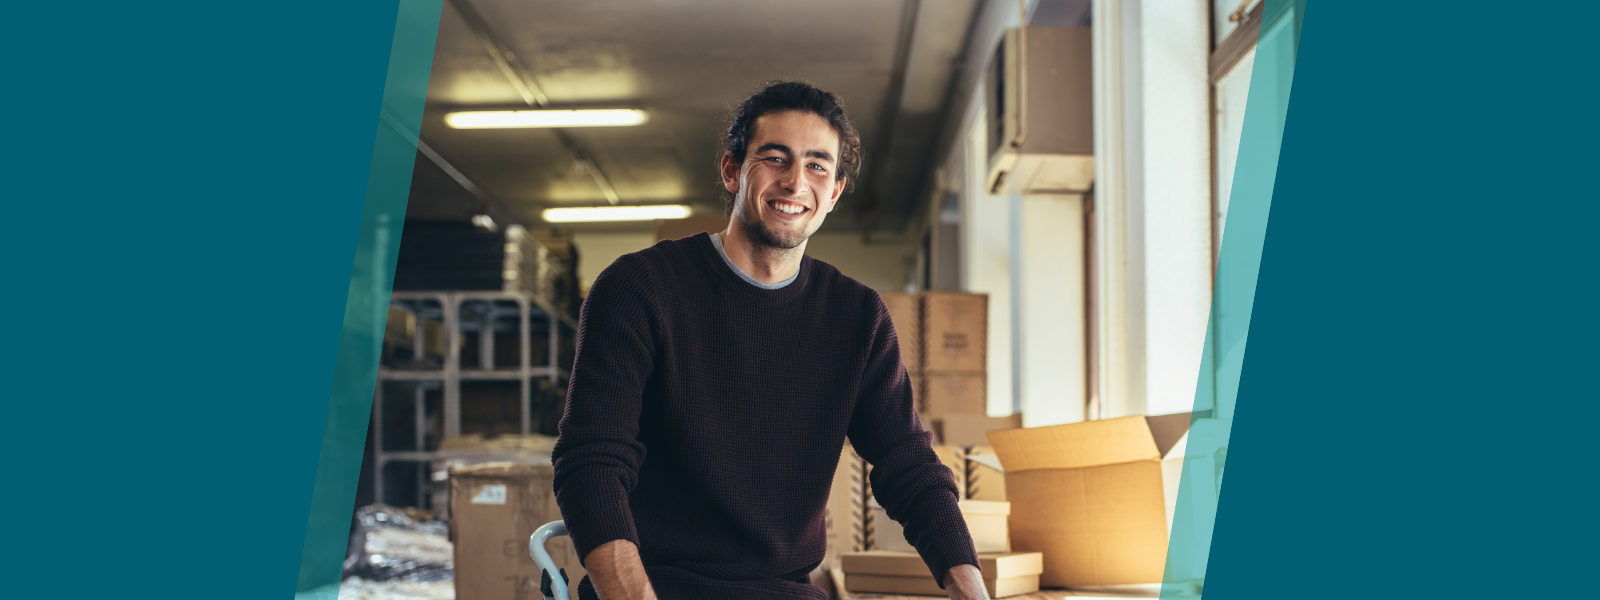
pixel 1041 209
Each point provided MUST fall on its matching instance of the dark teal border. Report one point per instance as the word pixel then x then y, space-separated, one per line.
pixel 1416 417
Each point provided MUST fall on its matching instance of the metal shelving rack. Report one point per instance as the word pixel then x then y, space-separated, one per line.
pixel 447 306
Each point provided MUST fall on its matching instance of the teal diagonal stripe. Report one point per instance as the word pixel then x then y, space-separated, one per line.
pixel 366 307
pixel 1233 296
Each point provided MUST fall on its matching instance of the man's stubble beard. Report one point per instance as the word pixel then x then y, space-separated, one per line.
pixel 764 238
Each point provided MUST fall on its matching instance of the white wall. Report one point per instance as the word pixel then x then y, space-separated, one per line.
pixel 596 251
pixel 884 264
pixel 1052 303
pixel 987 264
pixel 1176 195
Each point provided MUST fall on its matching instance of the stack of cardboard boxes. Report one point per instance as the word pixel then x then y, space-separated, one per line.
pixel 943 343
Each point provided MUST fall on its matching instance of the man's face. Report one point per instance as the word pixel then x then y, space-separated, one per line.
pixel 788 182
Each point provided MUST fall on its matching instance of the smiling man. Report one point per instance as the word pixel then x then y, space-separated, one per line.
pixel 718 377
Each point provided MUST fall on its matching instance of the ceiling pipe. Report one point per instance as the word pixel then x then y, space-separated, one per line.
pixel 892 101
pixel 526 86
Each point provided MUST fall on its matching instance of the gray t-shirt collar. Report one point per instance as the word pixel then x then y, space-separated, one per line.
pixel 716 240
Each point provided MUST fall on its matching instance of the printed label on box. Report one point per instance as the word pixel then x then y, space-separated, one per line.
pixel 491 494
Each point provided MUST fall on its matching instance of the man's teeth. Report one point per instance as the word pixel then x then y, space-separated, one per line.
pixel 792 209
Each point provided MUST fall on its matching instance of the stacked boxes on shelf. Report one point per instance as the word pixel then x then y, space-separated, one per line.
pixel 412 341
pixel 495 364
pixel 448 255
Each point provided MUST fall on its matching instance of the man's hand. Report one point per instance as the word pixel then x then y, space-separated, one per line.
pixel 618 574
pixel 965 582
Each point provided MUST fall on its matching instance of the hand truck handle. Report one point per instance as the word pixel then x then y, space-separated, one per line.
pixel 557 577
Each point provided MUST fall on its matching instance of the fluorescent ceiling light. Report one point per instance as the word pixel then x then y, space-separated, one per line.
pixel 615 213
pixel 503 119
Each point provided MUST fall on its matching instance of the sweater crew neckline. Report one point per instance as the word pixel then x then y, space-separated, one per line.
pixel 732 281
pixel 716 240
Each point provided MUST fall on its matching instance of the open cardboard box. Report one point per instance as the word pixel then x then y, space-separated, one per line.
pixel 1093 496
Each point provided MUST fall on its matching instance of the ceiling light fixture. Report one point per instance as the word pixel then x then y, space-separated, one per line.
pixel 507 119
pixel 590 214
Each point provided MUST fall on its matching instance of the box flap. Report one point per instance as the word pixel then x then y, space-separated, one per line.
pixel 1167 429
pixel 1075 445
pixel 988 460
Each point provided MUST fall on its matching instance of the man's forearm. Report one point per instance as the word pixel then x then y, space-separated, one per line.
pixel 618 574
pixel 965 582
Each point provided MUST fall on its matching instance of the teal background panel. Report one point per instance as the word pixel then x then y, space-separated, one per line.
pixel 367 305
pixel 183 187
pixel 1416 411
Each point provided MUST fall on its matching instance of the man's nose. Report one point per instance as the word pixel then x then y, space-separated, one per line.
pixel 794 178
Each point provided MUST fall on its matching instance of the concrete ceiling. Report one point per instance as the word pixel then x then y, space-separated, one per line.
pixel 687 62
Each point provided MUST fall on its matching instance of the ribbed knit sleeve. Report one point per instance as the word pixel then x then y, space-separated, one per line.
pixel 598 454
pixel 914 488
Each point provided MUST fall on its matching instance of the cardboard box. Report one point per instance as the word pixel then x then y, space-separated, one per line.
pixel 906 311
pixel 494 508
pixel 955 393
pixel 955 331
pixel 986 521
pixel 969 430
pixel 1090 497
pixel 986 479
pixel 1004 573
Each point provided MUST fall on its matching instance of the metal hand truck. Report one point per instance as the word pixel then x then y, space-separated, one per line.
pixel 552 580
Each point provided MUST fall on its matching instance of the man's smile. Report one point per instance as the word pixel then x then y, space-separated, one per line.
pixel 785 208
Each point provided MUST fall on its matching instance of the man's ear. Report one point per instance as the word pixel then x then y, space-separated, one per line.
pixel 838 190
pixel 730 172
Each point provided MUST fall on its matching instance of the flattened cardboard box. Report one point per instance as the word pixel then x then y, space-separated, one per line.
pixel 1004 573
pixel 494 508
pixel 987 523
pixel 906 312
pixel 955 331
pixel 1090 497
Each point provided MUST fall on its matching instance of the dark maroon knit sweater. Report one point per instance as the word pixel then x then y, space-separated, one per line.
pixel 705 417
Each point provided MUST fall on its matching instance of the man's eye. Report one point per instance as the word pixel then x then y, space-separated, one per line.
pixel 819 167
pixel 774 159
